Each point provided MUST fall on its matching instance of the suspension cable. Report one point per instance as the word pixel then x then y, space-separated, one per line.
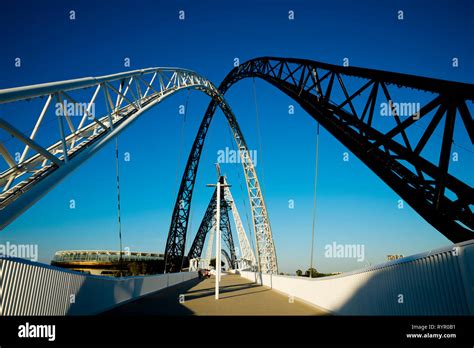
pixel 259 135
pixel 180 151
pixel 239 178
pixel 117 172
pixel 314 200
pixel 181 142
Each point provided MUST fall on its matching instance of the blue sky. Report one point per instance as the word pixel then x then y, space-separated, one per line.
pixel 354 206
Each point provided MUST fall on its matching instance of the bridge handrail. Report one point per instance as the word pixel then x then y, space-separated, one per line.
pixel 379 266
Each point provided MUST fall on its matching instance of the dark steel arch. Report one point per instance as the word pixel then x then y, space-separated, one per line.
pixel 175 245
pixel 227 231
pixel 228 258
pixel 206 225
pixel 423 188
pixel 208 222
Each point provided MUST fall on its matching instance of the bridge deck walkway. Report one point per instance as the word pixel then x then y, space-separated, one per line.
pixel 238 296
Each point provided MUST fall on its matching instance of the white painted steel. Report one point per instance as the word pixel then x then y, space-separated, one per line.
pixel 218 239
pixel 27 181
pixel 247 256
pixel 30 288
pixel 439 282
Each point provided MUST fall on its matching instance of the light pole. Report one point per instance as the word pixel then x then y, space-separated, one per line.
pixel 220 184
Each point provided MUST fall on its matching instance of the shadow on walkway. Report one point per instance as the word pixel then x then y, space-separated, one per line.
pixel 238 296
pixel 162 302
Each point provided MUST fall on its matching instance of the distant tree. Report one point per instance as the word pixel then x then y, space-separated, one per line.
pixel 314 273
pixel 213 263
pixel 134 268
pixel 299 273
pixel 153 267
pixel 311 272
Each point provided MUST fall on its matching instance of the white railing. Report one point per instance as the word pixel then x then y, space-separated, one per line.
pixel 439 282
pixel 30 288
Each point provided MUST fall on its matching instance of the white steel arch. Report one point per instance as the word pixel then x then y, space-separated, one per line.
pixel 247 256
pixel 126 96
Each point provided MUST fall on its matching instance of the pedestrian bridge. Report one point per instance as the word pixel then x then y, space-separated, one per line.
pixel 438 282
